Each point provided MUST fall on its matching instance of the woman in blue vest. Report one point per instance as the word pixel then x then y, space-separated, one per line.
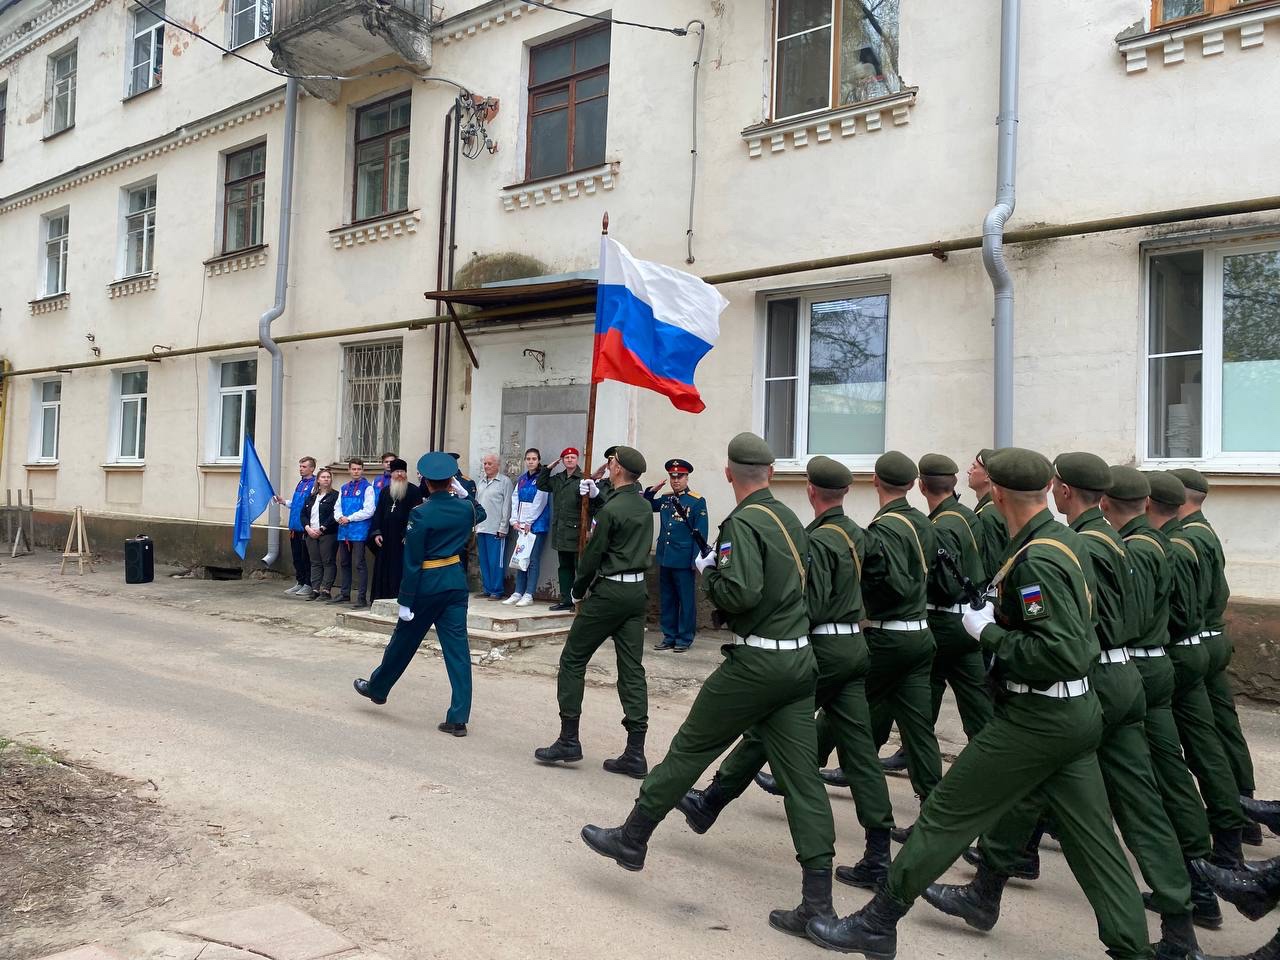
pixel 356 503
pixel 529 513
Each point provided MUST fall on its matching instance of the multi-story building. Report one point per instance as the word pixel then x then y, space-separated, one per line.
pixel 139 219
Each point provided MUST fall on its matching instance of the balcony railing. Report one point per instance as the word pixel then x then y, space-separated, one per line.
pixel 289 13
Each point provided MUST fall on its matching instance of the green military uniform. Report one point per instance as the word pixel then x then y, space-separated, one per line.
pixel 767 679
pixel 992 532
pixel 1044 733
pixel 566 513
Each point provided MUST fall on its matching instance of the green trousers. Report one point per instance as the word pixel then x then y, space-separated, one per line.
pixel 567 572
pixel 1132 791
pixel 1218 685
pixel 1193 714
pixel 958 661
pixel 770 691
pixel 1031 743
pixel 898 691
pixel 1182 800
pixel 617 610
pixel 842 697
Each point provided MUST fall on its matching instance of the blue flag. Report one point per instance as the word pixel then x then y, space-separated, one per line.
pixel 253 497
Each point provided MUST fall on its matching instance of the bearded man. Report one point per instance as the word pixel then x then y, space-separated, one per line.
pixel 395 502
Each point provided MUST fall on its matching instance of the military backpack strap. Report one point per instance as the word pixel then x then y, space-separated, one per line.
pixel 1048 542
pixel 795 554
pixel 1146 539
pixel 954 513
pixel 853 551
pixel 1186 545
pixel 1199 523
pixel 1099 535
pixel 924 566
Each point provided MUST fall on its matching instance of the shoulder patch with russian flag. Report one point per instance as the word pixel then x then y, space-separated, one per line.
pixel 726 549
pixel 1033 602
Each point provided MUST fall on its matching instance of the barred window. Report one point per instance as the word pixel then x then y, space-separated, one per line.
pixel 371 399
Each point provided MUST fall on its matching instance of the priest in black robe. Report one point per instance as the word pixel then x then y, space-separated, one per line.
pixel 390 518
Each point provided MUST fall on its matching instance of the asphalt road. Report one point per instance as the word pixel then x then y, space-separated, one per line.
pixel 422 845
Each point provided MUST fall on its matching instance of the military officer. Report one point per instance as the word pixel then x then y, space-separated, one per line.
pixel 756 578
pixel 566 517
pixel 1196 528
pixel 834 599
pixel 958 658
pixel 1043 736
pixel 433 591
pixel 610 594
pixel 675 553
pixel 1079 481
pixel 993 532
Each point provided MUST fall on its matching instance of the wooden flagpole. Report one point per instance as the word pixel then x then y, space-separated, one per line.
pixel 587 470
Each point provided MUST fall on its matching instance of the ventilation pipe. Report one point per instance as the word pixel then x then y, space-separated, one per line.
pixel 277 308
pixel 993 225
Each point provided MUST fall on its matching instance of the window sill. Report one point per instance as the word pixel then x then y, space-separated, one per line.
pixel 42 465
pixel 371 231
pixel 566 186
pixel 135 284
pixel 219 467
pixel 796 132
pixel 124 467
pixel 1250 23
pixel 244 46
pixel 861 465
pixel 141 93
pixel 1224 471
pixel 50 304
pixel 57 133
pixel 235 261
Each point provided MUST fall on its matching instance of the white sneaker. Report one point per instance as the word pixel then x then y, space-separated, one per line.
pixel 304 591
pixel 525 601
pixel 292 591
pixel 514 598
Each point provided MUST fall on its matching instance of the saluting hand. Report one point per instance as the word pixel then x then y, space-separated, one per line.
pixel 657 486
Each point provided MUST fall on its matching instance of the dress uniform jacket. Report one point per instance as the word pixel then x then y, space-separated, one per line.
pixel 675 546
pixel 438 528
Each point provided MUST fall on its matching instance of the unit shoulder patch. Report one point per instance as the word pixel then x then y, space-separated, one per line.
pixel 726 551
pixel 1034 605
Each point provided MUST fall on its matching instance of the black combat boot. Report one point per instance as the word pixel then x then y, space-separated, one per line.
pixel 767 783
pixel 1226 849
pixel 902 834
pixel 815 901
pixel 566 749
pixel 872 870
pixel 1265 812
pixel 1261 866
pixel 1252 832
pixel 1268 951
pixel 701 807
pixel 625 845
pixel 631 763
pixel 872 931
pixel 1253 894
pixel 976 903
pixel 1026 867
pixel 834 777
pixel 895 763
pixel 1205 910
pixel 1177 938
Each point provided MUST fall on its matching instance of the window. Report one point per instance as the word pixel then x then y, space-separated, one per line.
pixel 1213 355
pixel 48 420
pixel 824 372
pixel 829 53
pixel 57 229
pixel 4 103
pixel 568 103
pixel 139 229
pixel 131 431
pixel 146 62
pixel 371 399
pixel 60 102
pixel 1166 11
pixel 242 192
pixel 250 19
pixel 237 405
pixel 382 158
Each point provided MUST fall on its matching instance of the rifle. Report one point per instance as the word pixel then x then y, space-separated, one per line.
pixel 970 590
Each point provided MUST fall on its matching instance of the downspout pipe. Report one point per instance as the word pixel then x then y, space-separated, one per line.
pixel 994 223
pixel 277 308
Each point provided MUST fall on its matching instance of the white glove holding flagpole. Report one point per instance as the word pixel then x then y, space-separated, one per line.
pixel 455 485
pixel 405 613
pixel 706 560
pixel 588 488
pixel 975 621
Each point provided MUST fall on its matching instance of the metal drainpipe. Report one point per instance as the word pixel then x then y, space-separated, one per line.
pixel 277 308
pixel 994 223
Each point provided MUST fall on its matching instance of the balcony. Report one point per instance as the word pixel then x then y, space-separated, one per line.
pixel 343 37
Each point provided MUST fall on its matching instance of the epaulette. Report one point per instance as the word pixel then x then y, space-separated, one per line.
pixel 696 496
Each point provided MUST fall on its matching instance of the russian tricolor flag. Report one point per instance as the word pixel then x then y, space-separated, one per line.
pixel 653 325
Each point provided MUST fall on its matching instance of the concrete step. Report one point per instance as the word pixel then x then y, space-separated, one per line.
pixel 496 617
pixel 478 637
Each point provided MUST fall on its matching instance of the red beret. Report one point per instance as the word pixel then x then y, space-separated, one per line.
pixel 569 450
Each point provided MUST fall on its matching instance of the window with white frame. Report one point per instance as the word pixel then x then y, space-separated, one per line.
pixel 146 59
pixel 249 20
pixel 237 401
pixel 131 417
pixel 57 233
pixel 371 398
pixel 139 229
pixel 825 356
pixel 47 421
pixel 1213 355
pixel 831 53
pixel 60 95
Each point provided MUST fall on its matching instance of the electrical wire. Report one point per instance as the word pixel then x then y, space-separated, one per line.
pixel 678 31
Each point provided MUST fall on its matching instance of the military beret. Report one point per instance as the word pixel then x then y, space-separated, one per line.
pixel 1192 479
pixel 984 455
pixel 398 464
pixel 1166 488
pixel 610 452
pixel 676 465
pixel 437 466
pixel 1128 483
pixel 896 468
pixel 630 459
pixel 1016 468
pixel 1085 471
pixel 937 465
pixel 828 474
pixel 749 449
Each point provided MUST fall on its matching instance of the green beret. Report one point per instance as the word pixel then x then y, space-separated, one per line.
pixel 984 455
pixel 896 469
pixel 1085 471
pixel 1166 488
pixel 937 465
pixel 828 474
pixel 630 459
pixel 1128 483
pixel 749 449
pixel 1192 479
pixel 610 451
pixel 1016 468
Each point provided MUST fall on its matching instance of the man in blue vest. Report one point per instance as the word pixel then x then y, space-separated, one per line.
pixel 357 501
pixel 297 535
pixel 675 553
pixel 434 590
